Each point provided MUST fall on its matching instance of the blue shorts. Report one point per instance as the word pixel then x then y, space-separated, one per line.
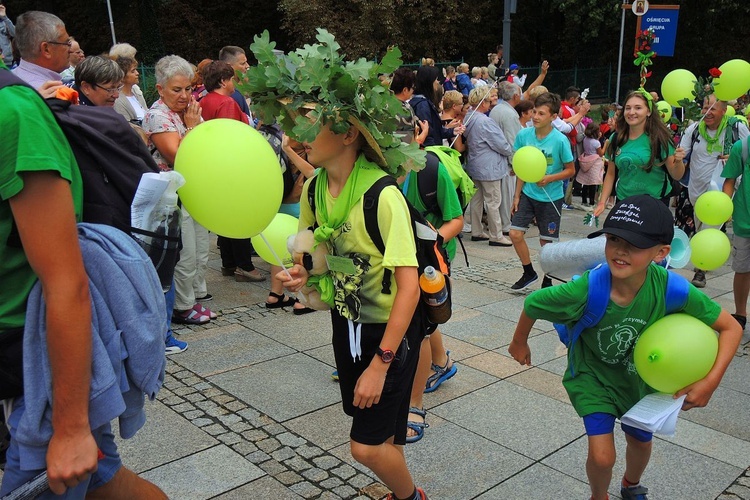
pixel 13 477
pixel 604 423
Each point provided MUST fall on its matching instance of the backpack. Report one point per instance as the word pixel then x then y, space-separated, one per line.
pixel 600 282
pixel 429 243
pixel 110 156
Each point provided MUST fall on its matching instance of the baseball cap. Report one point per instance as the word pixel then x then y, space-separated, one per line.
pixel 513 66
pixel 641 220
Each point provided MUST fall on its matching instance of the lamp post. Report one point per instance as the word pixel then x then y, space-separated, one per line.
pixel 619 59
pixel 111 22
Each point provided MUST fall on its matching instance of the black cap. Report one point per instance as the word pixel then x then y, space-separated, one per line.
pixel 641 220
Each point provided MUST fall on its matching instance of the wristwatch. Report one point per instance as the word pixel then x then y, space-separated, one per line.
pixel 385 354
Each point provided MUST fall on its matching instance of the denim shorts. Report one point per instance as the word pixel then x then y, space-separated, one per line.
pixel 107 467
pixel 547 217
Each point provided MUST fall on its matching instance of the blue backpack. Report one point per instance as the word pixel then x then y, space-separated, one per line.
pixel 600 282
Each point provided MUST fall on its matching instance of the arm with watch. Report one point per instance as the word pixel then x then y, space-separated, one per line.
pixel 370 385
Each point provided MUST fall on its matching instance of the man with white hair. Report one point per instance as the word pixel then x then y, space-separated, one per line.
pixel 44 45
pixel 75 57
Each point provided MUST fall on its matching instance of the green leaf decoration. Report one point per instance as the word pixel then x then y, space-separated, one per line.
pixel 391 61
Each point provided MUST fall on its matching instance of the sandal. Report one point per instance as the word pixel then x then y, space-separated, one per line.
pixel 198 307
pixel 302 310
pixel 281 301
pixel 442 373
pixel 417 427
pixel 190 317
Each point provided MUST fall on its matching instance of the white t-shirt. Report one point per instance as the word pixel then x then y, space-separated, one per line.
pixel 139 111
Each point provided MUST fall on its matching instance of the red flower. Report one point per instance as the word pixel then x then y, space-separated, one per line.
pixel 714 72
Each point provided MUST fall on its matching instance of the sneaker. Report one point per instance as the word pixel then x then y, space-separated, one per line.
pixel 503 241
pixel 525 281
pixel 335 375
pixel 742 320
pixel 420 495
pixel 565 206
pixel 205 298
pixel 467 228
pixel 699 280
pixel 546 282
pixel 637 492
pixel 244 276
pixel 173 346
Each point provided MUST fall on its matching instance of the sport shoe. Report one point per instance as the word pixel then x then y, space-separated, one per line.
pixel 525 281
pixel 244 276
pixel 205 298
pixel 420 494
pixel 173 346
pixel 546 281
pixel 467 228
pixel 565 206
pixel 699 280
pixel 335 375
pixel 637 492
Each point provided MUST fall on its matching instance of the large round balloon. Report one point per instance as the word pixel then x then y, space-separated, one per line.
pixel 674 352
pixel 529 164
pixel 677 85
pixel 665 110
pixel 709 249
pixel 278 231
pixel 734 80
pixel 730 111
pixel 233 183
pixel 714 207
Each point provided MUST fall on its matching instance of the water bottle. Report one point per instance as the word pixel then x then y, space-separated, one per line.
pixel 435 295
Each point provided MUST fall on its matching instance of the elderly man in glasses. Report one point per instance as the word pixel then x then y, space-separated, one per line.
pixel 44 45
pixel 75 57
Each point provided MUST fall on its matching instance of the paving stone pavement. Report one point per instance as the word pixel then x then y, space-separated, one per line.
pixel 250 410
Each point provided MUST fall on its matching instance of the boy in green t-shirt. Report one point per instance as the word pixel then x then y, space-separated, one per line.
pixel 639 231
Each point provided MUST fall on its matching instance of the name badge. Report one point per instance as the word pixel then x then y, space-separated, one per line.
pixel 339 264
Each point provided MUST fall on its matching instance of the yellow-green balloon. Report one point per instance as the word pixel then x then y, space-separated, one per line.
pixel 709 249
pixel 276 234
pixel 730 111
pixel 233 183
pixel 674 352
pixel 734 80
pixel 714 207
pixel 529 164
pixel 743 119
pixel 678 85
pixel 665 110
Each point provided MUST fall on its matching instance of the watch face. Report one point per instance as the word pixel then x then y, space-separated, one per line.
pixel 386 355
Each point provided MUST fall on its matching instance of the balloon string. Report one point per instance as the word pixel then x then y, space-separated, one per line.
pixel 474 110
pixel 702 116
pixel 276 256
pixel 550 200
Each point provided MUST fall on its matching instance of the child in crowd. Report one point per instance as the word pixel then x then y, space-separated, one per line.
pixel 375 334
pixel 542 200
pixel 591 173
pixel 603 383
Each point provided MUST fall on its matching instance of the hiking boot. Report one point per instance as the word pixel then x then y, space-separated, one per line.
pixel 742 320
pixel 636 492
pixel 526 280
pixel 546 282
pixel 699 280
pixel 174 346
pixel 244 276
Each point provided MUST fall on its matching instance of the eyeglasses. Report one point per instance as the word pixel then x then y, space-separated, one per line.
pixel 69 43
pixel 111 91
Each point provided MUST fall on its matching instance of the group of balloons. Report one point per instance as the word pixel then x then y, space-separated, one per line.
pixel 733 83
pixel 710 248
pixel 234 186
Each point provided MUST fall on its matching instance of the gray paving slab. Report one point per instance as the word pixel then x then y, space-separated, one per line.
pixel 539 482
pixel 728 412
pixel 479 330
pixel 673 472
pixel 327 427
pixel 204 474
pixel 265 487
pixel 712 443
pixel 165 437
pixel 514 417
pixel 301 333
pixel 285 387
pixel 466 381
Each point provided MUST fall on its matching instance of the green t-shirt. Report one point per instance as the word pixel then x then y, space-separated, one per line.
pixel 732 170
pixel 605 376
pixel 358 295
pixel 632 178
pixel 32 141
pixel 447 200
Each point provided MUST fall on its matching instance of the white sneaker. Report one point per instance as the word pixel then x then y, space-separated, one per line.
pixel 467 228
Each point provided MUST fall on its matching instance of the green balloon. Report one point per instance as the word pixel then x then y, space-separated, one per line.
pixel 734 80
pixel 276 234
pixel 714 207
pixel 731 111
pixel 233 183
pixel 709 249
pixel 678 85
pixel 530 164
pixel 674 352
pixel 665 110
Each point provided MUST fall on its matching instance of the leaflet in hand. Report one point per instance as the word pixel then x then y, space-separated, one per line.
pixel 655 413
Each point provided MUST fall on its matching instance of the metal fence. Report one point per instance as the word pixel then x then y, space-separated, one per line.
pixel 600 81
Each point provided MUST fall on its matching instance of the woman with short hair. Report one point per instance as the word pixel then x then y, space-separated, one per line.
pixel 130 103
pixel 98 81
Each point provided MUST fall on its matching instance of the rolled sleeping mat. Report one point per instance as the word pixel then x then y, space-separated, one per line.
pixel 572 257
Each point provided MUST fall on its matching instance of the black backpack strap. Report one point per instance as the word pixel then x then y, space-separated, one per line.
pixel 311 198
pixel 370 210
pixel 427 184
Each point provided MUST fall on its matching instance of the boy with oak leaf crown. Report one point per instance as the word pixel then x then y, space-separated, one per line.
pixel 376 335
pixel 639 231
